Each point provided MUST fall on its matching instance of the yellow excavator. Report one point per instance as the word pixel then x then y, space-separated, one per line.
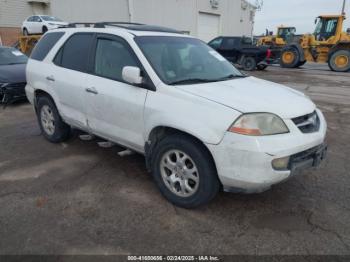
pixel 285 34
pixel 329 44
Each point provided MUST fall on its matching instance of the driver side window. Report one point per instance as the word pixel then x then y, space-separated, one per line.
pixel 111 57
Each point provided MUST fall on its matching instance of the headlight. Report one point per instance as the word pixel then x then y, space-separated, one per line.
pixel 259 124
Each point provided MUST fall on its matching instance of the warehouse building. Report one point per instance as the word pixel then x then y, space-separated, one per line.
pixel 205 19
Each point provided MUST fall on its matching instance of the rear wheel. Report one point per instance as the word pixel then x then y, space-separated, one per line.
pixel 50 122
pixel 340 61
pixel 184 171
pixel 249 63
pixel 290 58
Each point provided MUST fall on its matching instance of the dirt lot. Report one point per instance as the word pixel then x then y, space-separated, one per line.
pixel 78 198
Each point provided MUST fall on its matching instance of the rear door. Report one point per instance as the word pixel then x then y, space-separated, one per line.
pixel 69 77
pixel 114 107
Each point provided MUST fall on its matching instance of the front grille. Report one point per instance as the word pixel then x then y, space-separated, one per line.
pixel 308 123
pixel 308 155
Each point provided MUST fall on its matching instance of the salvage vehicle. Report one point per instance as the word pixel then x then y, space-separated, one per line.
pixel 201 124
pixel 241 51
pixel 40 24
pixel 12 75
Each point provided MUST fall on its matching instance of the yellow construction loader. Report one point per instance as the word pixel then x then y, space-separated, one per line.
pixel 329 44
pixel 285 34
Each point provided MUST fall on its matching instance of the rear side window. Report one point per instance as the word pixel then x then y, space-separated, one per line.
pixel 45 45
pixel 229 43
pixel 74 54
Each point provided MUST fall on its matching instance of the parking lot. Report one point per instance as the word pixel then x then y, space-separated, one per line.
pixel 78 198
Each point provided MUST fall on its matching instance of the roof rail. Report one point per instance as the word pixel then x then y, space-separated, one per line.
pixel 104 24
pixel 124 25
pixel 76 24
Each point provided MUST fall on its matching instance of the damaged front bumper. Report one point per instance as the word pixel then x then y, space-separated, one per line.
pixel 10 93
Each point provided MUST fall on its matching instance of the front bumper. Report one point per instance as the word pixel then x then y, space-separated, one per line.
pixel 12 93
pixel 244 163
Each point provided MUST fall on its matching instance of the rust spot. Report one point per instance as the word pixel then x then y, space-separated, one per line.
pixel 41 201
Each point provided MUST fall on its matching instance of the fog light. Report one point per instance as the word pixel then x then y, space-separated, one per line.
pixel 281 163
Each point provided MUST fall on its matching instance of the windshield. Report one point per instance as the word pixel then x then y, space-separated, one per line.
pixel 11 56
pixel 181 60
pixel 51 18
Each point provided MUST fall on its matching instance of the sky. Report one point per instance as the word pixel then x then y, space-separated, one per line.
pixel 298 13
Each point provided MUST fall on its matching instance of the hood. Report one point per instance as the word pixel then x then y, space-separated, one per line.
pixel 13 73
pixel 250 95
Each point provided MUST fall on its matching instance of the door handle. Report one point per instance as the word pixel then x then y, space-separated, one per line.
pixel 50 78
pixel 91 91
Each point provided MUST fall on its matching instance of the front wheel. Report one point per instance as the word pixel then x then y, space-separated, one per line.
pixel 340 61
pixel 290 58
pixel 261 67
pixel 25 32
pixel 184 171
pixel 50 122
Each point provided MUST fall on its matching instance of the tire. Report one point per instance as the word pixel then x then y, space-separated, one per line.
pixel 205 184
pixel 25 32
pixel 51 124
pixel 340 61
pixel 290 58
pixel 261 67
pixel 249 63
pixel 44 29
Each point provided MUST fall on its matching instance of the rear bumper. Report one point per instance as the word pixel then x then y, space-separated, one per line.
pixel 244 163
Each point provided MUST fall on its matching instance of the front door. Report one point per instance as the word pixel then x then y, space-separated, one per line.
pixel 114 107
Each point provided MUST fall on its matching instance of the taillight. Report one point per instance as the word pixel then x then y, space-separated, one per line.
pixel 269 53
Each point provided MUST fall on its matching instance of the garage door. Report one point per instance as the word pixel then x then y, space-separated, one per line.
pixel 208 26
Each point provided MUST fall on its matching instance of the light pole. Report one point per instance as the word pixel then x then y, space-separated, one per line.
pixel 344 5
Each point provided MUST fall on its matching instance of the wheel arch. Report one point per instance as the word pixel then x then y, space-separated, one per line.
pixel 337 47
pixel 160 132
pixel 40 93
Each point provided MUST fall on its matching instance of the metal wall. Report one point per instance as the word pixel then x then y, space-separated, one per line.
pixel 183 15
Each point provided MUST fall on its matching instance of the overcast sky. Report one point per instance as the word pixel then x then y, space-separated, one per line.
pixel 298 13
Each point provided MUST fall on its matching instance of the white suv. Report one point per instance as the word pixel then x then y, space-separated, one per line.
pixel 201 124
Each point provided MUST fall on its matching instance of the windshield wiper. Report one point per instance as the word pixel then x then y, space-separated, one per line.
pixel 232 76
pixel 191 81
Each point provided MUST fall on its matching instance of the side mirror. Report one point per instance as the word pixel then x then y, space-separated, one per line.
pixel 132 75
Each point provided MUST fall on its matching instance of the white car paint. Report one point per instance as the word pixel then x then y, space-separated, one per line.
pixel 126 114
pixel 36 26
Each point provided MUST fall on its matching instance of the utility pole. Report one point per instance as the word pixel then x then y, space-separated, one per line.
pixel 344 5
